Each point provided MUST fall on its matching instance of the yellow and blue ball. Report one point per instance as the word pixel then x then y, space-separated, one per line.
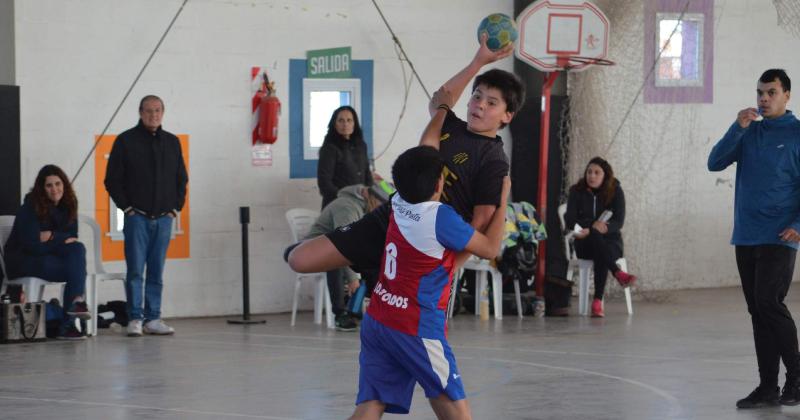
pixel 501 30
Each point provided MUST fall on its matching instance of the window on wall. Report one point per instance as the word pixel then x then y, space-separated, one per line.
pixel 680 42
pixel 326 94
pixel 678 51
pixel 117 223
pixel 320 98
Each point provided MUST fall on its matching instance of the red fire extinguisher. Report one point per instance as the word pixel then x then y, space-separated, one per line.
pixel 269 109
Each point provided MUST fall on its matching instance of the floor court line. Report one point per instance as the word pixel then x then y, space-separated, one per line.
pixel 468 347
pixel 675 406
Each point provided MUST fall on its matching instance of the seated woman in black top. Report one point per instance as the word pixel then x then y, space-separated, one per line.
pixel 44 243
pixel 599 239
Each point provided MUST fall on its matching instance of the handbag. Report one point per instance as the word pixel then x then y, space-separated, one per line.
pixel 22 322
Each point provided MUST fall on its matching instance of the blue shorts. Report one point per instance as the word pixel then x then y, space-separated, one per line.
pixel 392 362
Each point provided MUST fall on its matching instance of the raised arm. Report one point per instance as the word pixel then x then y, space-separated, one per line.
pixel 729 148
pixel 441 103
pixel 484 56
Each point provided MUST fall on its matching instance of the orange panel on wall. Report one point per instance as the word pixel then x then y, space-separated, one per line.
pixel 114 250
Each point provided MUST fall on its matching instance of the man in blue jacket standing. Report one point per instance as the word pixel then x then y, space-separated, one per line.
pixel 146 178
pixel 766 229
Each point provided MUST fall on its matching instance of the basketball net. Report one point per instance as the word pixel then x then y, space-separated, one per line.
pixel 788 16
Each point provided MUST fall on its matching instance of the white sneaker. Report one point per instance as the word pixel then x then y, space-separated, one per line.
pixel 158 327
pixel 135 328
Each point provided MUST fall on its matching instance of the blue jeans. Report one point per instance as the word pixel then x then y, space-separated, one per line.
pixel 146 242
pixel 67 265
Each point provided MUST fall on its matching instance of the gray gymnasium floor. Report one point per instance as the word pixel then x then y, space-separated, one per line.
pixel 685 355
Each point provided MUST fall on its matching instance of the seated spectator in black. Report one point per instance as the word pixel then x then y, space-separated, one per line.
pixel 599 239
pixel 44 243
pixel 351 203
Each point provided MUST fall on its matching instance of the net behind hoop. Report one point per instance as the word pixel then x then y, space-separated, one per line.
pixel 652 177
pixel 788 15
pixel 655 152
pixel 568 62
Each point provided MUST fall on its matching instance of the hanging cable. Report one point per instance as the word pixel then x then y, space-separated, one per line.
pixel 649 74
pixel 397 41
pixel 136 80
pixel 401 57
pixel 407 85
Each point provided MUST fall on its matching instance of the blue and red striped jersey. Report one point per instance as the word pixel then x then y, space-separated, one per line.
pixel 413 290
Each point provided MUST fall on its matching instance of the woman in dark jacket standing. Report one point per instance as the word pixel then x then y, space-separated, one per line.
pixel 343 156
pixel 44 243
pixel 598 239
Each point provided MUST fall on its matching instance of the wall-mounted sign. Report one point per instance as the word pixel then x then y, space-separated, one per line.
pixel 262 154
pixel 332 63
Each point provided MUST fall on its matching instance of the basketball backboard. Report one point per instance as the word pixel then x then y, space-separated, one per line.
pixel 559 34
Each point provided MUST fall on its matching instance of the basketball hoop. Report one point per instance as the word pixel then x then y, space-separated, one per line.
pixel 557 35
pixel 569 62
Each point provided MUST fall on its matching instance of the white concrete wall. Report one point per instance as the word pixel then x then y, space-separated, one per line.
pixel 680 216
pixel 75 59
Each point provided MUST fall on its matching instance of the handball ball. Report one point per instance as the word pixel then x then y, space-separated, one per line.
pixel 501 30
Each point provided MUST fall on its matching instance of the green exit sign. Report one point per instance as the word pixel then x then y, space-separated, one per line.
pixel 332 63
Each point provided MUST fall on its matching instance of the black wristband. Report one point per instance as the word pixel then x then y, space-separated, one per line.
pixel 444 107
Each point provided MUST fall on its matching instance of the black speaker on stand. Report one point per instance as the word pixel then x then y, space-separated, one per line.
pixel 244 219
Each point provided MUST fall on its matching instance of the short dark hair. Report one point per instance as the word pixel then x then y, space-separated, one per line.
pixel 150 98
pixel 507 83
pixel 780 74
pixel 416 173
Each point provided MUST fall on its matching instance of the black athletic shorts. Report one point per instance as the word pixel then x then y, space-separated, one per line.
pixel 362 241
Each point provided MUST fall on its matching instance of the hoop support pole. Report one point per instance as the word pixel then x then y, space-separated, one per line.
pixel 541 204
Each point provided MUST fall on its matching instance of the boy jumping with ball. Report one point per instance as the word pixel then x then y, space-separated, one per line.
pixel 475 165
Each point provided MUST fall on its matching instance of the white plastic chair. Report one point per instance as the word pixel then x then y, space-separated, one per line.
pixel 32 286
pixel 300 222
pixel 484 269
pixel 585 269
pixel 98 273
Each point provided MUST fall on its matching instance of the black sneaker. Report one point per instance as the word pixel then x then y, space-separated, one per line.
pixel 345 322
pixel 791 392
pixel 71 333
pixel 760 397
pixel 80 310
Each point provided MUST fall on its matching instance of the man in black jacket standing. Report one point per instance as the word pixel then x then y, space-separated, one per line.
pixel 146 178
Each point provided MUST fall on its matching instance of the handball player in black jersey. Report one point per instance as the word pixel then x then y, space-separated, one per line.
pixel 475 165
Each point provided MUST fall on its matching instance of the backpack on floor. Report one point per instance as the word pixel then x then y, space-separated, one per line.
pixel 119 310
